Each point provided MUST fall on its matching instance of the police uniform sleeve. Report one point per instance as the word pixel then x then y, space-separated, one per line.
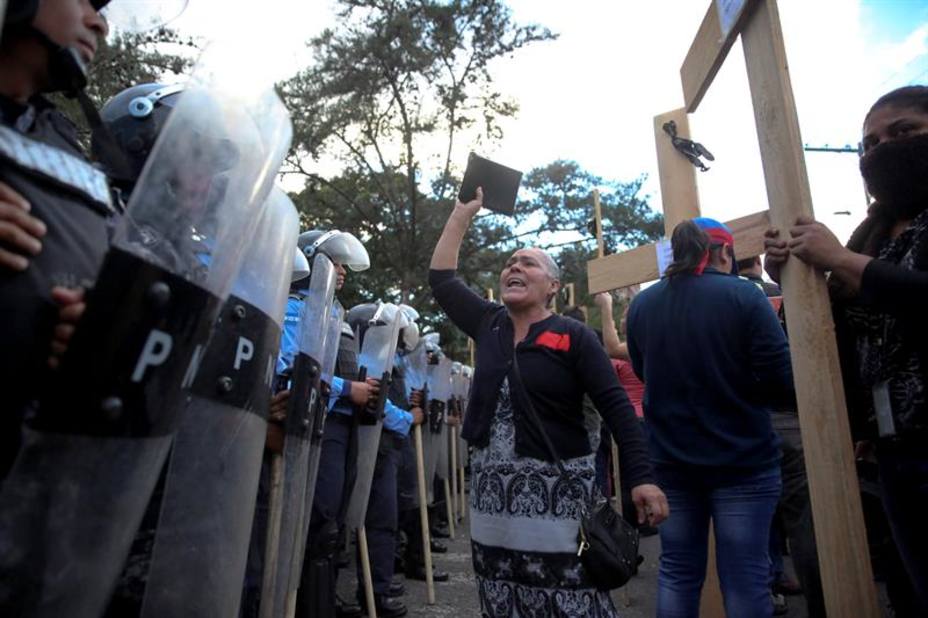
pixel 396 419
pixel 289 336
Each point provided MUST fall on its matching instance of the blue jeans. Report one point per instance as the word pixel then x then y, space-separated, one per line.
pixel 741 508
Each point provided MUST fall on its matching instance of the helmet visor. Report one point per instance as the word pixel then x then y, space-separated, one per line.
pixel 411 314
pixel 300 266
pixel 343 248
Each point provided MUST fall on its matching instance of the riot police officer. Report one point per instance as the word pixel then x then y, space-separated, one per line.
pixel 335 476
pixel 53 204
pixel 381 519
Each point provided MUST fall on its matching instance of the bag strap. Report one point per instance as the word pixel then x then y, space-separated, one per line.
pixel 533 415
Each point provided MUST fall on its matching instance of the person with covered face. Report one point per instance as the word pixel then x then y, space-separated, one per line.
pixel 524 516
pixel 879 290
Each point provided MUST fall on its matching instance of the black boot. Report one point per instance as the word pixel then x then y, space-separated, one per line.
pixel 386 606
pixel 418 573
pixel 438 547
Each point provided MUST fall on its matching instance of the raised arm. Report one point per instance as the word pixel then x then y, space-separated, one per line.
pixel 463 306
pixel 445 255
pixel 614 346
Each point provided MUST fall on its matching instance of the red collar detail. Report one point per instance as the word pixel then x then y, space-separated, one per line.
pixel 555 341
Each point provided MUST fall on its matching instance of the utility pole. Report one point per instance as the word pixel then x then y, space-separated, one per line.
pixel 858 150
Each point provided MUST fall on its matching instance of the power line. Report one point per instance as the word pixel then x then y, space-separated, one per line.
pixel 827 148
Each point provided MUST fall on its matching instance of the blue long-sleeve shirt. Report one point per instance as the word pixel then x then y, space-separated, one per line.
pixel 289 335
pixel 396 419
pixel 714 361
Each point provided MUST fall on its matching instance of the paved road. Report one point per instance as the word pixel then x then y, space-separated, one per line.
pixel 458 596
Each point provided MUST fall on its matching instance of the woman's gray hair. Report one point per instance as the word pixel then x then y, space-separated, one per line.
pixel 550 265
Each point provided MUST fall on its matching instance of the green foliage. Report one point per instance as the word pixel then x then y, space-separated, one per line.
pixel 394 84
pixel 559 198
pixel 394 87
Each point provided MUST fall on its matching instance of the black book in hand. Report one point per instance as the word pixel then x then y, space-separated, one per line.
pixel 500 184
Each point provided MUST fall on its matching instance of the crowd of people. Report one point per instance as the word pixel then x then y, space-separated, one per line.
pixel 179 443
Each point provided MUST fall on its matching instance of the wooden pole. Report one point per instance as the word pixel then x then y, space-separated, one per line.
pixel 273 537
pixel 598 218
pixel 366 573
pixel 617 488
pixel 680 201
pixel 448 509
pixel 424 514
pixel 847 579
pixel 453 469
pixel 462 500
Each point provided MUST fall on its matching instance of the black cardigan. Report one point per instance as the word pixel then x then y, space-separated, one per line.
pixel 560 360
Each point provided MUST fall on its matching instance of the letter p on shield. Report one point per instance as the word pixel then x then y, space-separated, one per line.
pixel 244 352
pixel 156 350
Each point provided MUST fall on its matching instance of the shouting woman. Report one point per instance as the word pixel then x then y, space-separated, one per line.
pixel 525 516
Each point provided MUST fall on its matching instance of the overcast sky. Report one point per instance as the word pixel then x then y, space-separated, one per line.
pixel 591 95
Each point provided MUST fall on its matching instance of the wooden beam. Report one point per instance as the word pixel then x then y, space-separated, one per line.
pixel 598 214
pixel 622 269
pixel 709 49
pixel 640 265
pixel 749 234
pixel 847 579
pixel 679 192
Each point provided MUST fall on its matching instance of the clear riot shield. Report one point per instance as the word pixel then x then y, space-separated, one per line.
pixel 438 385
pixel 201 543
pixel 302 416
pixel 415 366
pixel 378 347
pixel 332 337
pixel 95 447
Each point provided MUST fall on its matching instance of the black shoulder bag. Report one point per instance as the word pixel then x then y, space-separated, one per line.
pixel 606 544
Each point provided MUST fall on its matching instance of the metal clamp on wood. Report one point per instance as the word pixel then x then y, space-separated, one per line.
pixel 687 147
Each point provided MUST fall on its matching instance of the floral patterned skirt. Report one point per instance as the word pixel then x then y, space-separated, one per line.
pixel 524 523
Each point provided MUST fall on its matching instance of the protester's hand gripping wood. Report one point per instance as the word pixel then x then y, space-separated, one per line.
pixel 847 579
pixel 368 582
pixel 424 514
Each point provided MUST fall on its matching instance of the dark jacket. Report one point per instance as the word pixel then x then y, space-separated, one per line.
pixel 714 361
pixel 560 361
pixel 41 159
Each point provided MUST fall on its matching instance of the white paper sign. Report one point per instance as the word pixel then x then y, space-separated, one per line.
pixel 664 255
pixel 728 14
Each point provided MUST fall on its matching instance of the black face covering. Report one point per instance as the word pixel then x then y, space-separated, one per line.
pixel 896 174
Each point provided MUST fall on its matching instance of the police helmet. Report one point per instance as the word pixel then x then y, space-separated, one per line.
pixel 409 334
pixel 134 118
pixel 300 266
pixel 340 247
pixel 361 317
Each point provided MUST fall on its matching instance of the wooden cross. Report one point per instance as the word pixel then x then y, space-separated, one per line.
pixel 844 561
